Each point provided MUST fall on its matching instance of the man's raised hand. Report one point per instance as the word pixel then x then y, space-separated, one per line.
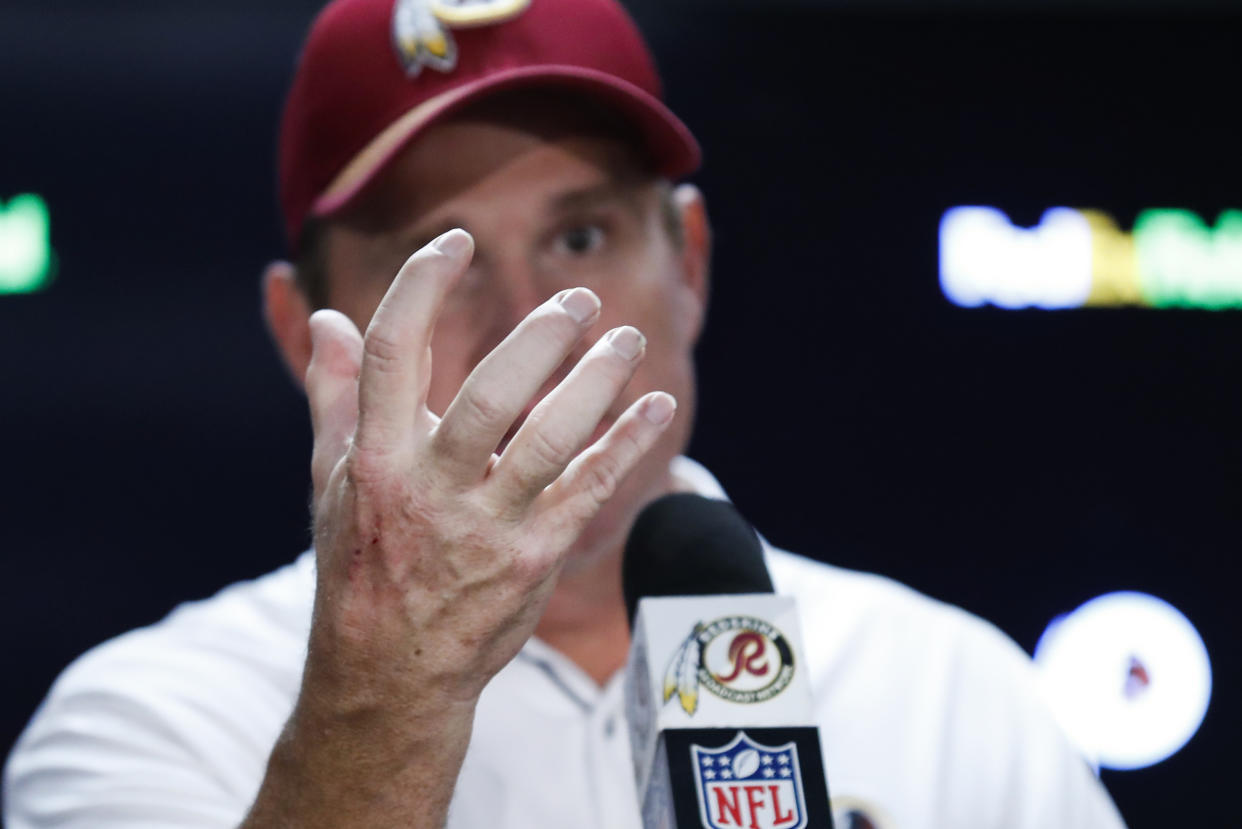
pixel 435 556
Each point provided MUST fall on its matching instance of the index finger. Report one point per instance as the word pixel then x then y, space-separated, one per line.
pixel 392 385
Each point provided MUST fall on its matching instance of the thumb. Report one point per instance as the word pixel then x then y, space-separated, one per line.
pixel 332 390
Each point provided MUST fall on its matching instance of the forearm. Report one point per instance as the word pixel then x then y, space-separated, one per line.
pixel 371 769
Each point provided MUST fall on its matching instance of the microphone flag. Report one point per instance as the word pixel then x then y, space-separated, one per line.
pixel 720 714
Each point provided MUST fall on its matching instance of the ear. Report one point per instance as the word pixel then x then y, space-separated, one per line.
pixel 696 250
pixel 288 317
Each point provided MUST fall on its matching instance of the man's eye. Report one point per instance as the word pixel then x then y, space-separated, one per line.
pixel 582 239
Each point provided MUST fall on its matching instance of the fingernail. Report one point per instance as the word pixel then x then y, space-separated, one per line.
pixel 582 305
pixel 659 408
pixel 455 243
pixel 628 342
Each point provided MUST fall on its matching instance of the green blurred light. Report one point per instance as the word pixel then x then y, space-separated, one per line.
pixel 25 245
pixel 1183 263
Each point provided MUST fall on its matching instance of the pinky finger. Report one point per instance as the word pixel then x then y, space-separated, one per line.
pixel 593 477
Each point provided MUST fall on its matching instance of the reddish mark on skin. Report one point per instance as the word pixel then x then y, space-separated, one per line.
pixel 355 564
pixel 375 539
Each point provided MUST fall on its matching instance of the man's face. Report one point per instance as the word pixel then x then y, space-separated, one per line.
pixel 550 207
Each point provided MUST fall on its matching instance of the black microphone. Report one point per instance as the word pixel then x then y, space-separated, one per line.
pixel 718 703
pixel 688 545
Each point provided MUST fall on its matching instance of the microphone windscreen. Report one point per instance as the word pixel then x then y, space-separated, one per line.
pixel 688 545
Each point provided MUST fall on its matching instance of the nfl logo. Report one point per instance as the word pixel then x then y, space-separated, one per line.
pixel 747 785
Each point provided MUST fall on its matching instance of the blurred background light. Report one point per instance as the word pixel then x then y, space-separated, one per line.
pixel 984 258
pixel 1183 262
pixel 25 245
pixel 1073 258
pixel 1128 676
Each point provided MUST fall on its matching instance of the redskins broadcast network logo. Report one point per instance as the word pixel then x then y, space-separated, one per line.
pixel 420 28
pixel 737 658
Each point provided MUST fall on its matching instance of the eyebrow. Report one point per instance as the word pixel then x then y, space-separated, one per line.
pixel 625 191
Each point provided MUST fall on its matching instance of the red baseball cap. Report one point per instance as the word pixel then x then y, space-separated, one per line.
pixel 375 73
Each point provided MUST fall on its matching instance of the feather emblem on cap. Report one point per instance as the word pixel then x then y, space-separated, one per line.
pixel 420 28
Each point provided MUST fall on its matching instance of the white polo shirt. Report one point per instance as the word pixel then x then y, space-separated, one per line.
pixel 929 717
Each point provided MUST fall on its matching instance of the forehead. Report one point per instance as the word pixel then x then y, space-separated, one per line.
pixel 512 145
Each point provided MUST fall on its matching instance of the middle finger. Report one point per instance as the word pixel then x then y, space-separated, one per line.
pixel 562 423
pixel 504 381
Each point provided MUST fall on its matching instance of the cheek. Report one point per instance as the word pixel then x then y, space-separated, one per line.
pixel 357 304
pixel 669 319
pixel 667 366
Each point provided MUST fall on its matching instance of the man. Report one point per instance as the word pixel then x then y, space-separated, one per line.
pixel 451 650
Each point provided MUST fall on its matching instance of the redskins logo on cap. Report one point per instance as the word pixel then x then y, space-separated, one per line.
pixel 420 28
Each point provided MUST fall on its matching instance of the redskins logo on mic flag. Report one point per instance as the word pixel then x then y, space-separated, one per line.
pixel 420 28
pixel 738 658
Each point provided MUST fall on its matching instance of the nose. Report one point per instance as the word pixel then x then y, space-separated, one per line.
pixel 517 293
pixel 514 289
pixel 508 293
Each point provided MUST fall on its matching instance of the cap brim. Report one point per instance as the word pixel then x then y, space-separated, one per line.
pixel 670 143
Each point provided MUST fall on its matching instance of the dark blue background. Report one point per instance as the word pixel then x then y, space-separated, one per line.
pixel 1016 464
